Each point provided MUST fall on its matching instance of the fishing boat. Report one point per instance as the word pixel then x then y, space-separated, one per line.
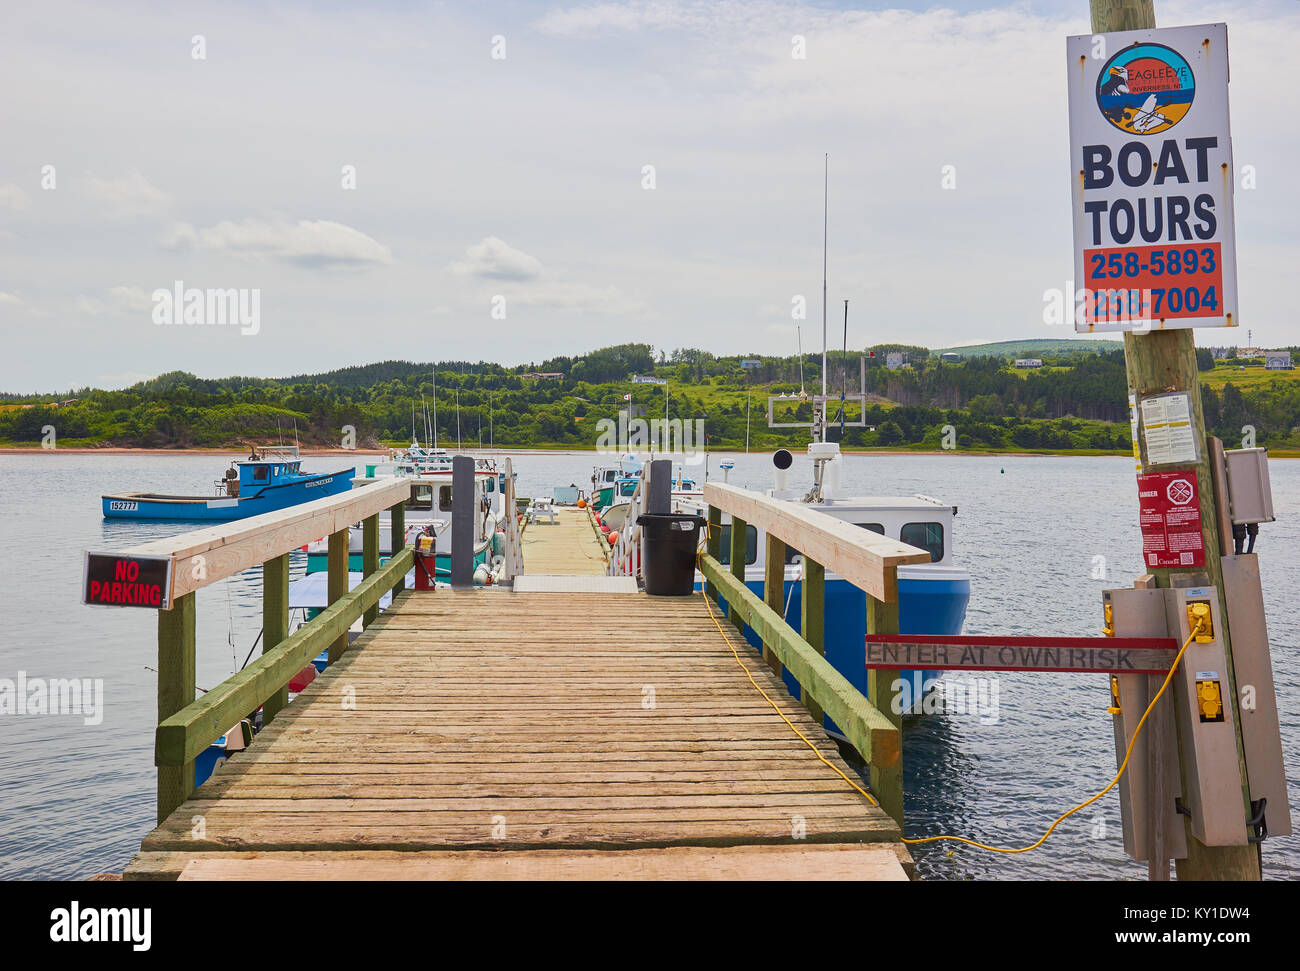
pixel 429 510
pixel 932 597
pixel 268 480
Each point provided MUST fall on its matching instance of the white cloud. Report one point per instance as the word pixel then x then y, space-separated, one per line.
pixel 577 298
pixel 653 14
pixel 309 243
pixel 129 197
pixel 531 286
pixel 12 197
pixel 9 300
pixel 494 259
pixel 116 301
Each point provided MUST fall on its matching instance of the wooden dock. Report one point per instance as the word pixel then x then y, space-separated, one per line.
pixel 560 724
pixel 469 721
pixel 571 546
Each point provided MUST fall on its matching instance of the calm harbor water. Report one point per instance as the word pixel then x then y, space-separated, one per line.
pixel 75 799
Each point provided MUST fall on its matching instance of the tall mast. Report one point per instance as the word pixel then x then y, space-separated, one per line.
pixel 826 181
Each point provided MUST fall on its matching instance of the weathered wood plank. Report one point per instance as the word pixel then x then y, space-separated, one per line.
pixel 459 743
pixel 231 548
pixel 860 556
pixel 830 861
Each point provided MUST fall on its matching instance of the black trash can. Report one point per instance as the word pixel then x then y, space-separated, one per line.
pixel 671 540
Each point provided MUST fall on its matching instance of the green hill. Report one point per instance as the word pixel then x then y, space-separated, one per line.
pixel 1043 347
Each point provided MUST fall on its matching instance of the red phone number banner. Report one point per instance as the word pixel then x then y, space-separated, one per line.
pixel 1153 282
pixel 1170 518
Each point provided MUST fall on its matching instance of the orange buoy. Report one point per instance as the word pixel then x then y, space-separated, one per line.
pixel 613 537
pixel 582 503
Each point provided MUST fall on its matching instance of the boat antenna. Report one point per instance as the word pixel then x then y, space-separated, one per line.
pixel 747 397
pixel 279 433
pixel 798 336
pixel 844 366
pixel 435 410
pixel 295 431
pixel 826 182
pixel 458 419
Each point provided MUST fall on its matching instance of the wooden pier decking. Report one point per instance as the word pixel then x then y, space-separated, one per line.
pixel 571 546
pixel 493 734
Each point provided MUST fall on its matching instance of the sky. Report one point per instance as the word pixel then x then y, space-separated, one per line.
pixel 514 181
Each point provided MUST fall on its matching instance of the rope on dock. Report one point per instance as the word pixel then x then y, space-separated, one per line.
pixel 1197 628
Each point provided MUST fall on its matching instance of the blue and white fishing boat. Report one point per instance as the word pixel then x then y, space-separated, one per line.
pixel 265 482
pixel 932 597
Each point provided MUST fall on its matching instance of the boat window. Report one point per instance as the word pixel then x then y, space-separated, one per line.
pixel 444 498
pixel 627 488
pixel 927 536
pixel 259 474
pixel 489 485
pixel 874 527
pixel 751 545
pixel 421 498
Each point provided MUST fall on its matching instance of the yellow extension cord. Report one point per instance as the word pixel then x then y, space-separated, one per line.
pixel 1200 624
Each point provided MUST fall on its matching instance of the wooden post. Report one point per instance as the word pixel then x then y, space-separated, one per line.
pixel 370 560
pixel 397 536
pixel 275 623
pixel 738 548
pixel 175 691
pixel 713 543
pixel 338 584
pixel 1160 361
pixel 812 620
pixel 886 781
pixel 774 589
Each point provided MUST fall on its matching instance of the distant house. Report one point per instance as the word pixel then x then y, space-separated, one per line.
pixel 752 362
pixel 950 358
pixel 1278 360
pixel 894 361
pixel 555 375
pixel 1028 362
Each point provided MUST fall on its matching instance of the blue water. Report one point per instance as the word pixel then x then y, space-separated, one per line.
pixel 76 799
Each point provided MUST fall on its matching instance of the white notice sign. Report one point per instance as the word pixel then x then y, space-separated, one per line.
pixel 1152 179
pixel 1167 429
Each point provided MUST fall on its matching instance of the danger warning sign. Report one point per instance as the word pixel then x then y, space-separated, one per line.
pixel 1170 518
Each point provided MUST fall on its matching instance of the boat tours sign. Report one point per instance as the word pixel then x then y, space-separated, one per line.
pixel 1152 177
pixel 965 652
pixel 122 580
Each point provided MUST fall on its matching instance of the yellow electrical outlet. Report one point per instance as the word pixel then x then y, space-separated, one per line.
pixel 1209 701
pixel 1114 691
pixel 1109 628
pixel 1198 611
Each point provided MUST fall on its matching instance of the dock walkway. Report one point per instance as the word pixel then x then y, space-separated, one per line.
pixel 586 735
pixel 571 546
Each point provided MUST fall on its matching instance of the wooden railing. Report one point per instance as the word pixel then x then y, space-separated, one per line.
pixel 867 560
pixel 202 557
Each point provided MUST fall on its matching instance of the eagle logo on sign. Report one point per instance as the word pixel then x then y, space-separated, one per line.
pixel 1145 89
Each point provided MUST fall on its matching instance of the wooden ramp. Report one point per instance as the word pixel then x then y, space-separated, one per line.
pixel 571 546
pixel 495 734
